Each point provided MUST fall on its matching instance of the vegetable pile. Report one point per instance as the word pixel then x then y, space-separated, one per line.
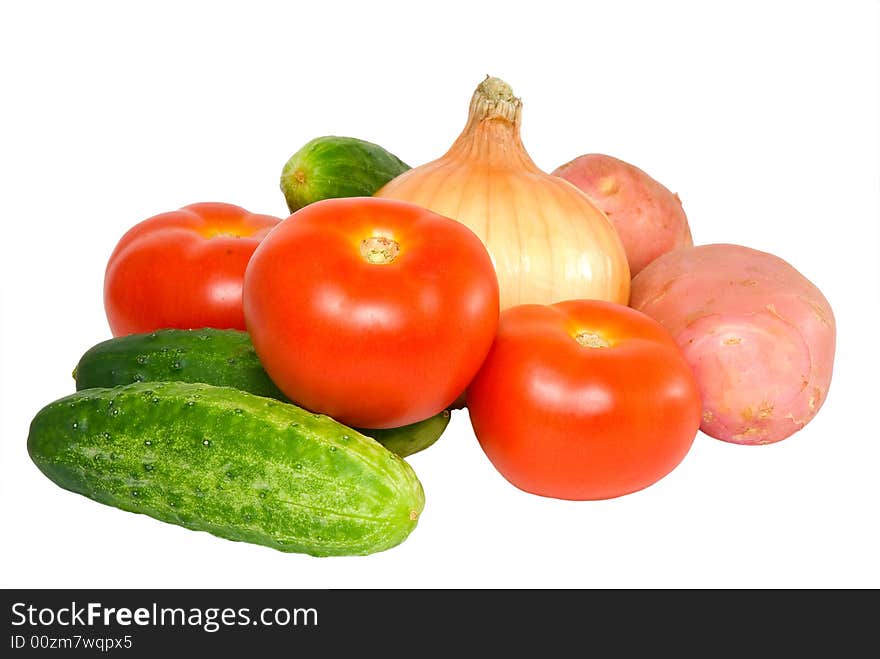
pixel 267 377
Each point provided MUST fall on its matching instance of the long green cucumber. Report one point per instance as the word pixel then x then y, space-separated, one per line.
pixel 406 440
pixel 220 460
pixel 225 358
pixel 331 166
pixel 220 357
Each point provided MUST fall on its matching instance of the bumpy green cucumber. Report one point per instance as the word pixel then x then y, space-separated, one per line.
pixel 224 358
pixel 240 466
pixel 329 167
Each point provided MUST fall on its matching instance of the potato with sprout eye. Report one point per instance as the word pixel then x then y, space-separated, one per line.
pixel 758 334
pixel 649 219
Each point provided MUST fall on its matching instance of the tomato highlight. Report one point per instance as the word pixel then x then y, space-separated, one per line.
pixel 583 400
pixel 373 311
pixel 183 269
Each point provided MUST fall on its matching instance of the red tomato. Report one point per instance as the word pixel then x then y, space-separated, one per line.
pixel 583 400
pixel 375 312
pixel 183 269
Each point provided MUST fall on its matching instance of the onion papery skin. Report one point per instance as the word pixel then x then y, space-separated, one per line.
pixel 547 240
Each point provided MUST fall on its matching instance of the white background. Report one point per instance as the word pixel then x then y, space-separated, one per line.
pixel 762 115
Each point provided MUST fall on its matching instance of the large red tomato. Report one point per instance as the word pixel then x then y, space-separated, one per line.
pixel 583 400
pixel 183 269
pixel 375 312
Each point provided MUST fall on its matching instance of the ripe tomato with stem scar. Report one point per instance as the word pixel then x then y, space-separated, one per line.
pixel 183 269
pixel 583 399
pixel 373 311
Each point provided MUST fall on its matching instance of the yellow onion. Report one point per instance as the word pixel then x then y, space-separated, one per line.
pixel 546 238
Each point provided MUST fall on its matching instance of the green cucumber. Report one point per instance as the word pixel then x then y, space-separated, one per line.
pixel 224 358
pixel 330 167
pixel 220 460
pixel 406 440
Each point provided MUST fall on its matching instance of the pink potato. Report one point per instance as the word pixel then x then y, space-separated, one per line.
pixel 649 218
pixel 757 333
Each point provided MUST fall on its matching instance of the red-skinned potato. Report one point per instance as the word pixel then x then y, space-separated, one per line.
pixel 758 334
pixel 648 217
